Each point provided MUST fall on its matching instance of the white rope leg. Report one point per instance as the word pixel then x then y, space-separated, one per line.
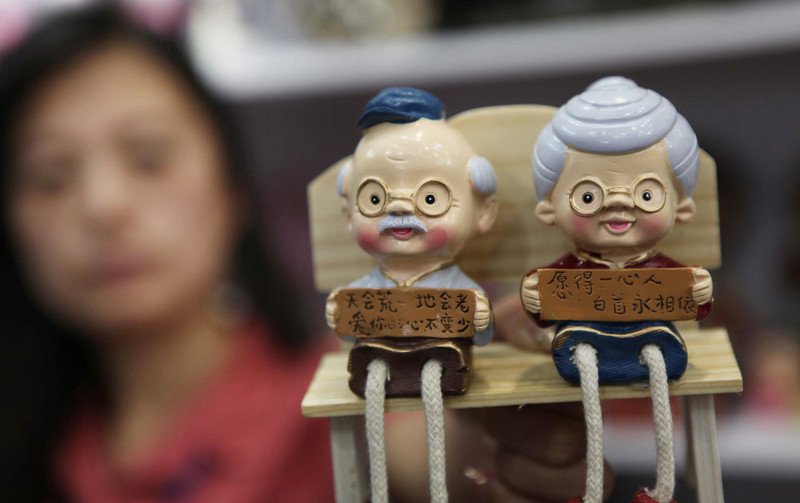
pixel 375 394
pixel 652 357
pixel 434 420
pixel 585 358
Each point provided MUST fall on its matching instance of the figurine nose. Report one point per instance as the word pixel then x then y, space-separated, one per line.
pixel 619 198
pixel 400 207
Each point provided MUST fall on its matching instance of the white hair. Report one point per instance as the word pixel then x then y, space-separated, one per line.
pixel 340 178
pixel 614 116
pixel 484 178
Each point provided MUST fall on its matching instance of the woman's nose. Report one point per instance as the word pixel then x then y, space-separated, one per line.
pixel 106 195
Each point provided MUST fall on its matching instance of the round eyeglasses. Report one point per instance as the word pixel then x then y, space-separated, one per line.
pixel 588 195
pixel 432 197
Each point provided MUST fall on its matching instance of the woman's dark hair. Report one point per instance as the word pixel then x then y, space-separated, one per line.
pixel 42 366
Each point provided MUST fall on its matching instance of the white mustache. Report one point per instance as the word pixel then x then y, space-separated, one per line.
pixel 401 222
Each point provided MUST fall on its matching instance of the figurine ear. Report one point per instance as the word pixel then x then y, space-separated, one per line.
pixel 545 212
pixel 685 211
pixel 487 215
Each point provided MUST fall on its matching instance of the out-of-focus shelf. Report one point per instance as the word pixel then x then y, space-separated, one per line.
pixel 750 445
pixel 244 66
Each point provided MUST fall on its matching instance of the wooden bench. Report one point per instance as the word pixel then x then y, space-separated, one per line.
pixel 505 375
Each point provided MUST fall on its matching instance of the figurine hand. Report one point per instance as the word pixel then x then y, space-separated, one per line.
pixel 483 312
pixel 514 326
pixel 331 310
pixel 703 286
pixel 527 454
pixel 529 292
pixel 535 453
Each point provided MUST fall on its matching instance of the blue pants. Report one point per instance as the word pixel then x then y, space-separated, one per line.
pixel 618 345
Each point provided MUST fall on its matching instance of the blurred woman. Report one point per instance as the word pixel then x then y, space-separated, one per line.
pixel 149 348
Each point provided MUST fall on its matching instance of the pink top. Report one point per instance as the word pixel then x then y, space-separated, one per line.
pixel 241 440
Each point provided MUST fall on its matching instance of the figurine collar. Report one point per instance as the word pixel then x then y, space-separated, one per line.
pixel 597 259
pixel 418 277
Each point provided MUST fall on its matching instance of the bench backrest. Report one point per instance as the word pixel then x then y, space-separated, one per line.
pixel 518 242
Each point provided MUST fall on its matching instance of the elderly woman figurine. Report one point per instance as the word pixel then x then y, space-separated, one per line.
pixel 615 170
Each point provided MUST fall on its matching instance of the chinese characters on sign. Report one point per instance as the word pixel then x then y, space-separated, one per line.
pixel 406 312
pixel 617 294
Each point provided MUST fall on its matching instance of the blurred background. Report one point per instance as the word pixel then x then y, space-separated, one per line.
pixel 298 72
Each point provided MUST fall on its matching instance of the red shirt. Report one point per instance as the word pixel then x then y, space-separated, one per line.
pixel 241 440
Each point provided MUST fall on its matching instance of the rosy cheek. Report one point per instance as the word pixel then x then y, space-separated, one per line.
pixel 367 239
pixel 437 237
pixel 654 226
pixel 579 225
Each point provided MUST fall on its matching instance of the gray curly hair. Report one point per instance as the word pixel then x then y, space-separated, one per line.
pixel 612 116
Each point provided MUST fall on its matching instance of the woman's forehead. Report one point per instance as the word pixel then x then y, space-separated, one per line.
pixel 117 83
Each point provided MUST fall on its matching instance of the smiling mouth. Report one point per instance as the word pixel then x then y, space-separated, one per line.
pixel 402 232
pixel 618 226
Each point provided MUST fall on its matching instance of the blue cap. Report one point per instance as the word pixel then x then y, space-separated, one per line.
pixel 400 105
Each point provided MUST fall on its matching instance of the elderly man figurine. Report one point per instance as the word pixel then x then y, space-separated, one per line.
pixel 615 170
pixel 415 193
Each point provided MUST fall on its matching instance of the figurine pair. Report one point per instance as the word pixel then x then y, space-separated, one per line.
pixel 614 170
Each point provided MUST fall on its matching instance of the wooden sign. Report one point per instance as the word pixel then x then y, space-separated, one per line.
pixel 617 294
pixel 406 312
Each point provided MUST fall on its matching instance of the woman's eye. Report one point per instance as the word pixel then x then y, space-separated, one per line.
pixel 148 159
pixel 148 154
pixel 49 182
pixel 47 175
pixel 588 197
